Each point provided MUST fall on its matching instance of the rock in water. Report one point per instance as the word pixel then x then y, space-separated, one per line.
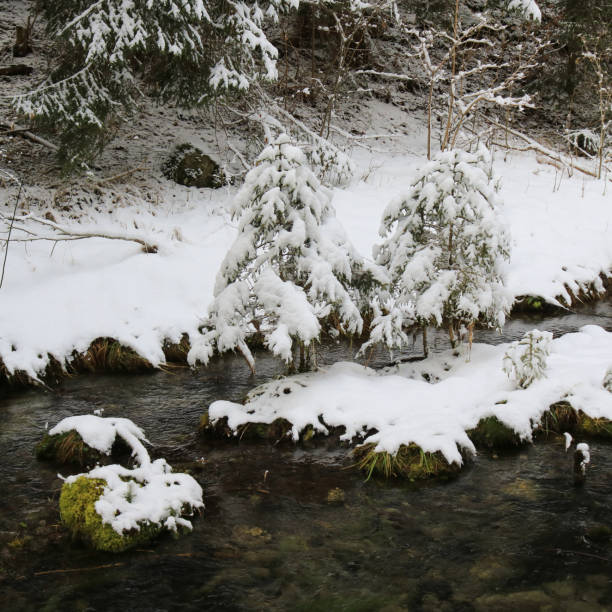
pixel 191 167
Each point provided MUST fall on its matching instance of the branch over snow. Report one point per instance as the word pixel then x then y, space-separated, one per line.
pixel 70 233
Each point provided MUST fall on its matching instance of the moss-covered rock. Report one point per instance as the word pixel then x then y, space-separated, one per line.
pixel 191 167
pixel 560 417
pixel 274 431
pixel 491 433
pixel 588 427
pixel 78 513
pixel 410 462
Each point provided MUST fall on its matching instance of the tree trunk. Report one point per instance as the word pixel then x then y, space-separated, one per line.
pixel 22 42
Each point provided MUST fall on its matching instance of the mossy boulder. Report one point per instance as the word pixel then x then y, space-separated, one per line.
pixel 491 433
pixel 410 462
pixel 190 166
pixel 277 430
pixel 78 513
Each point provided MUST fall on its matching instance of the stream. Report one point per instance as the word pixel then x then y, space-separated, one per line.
pixel 511 532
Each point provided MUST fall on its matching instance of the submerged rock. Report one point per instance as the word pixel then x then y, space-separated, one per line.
pixel 191 167
pixel 525 601
pixel 336 496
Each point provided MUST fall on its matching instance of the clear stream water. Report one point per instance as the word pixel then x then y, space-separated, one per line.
pixel 509 533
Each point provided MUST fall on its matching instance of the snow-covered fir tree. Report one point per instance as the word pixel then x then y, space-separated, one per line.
pixel 186 51
pixel 525 360
pixel 291 270
pixel 444 247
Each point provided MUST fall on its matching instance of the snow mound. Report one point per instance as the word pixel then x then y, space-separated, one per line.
pixel 100 433
pixel 403 408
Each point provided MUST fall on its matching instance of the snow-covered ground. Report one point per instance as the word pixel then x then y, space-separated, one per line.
pixel 58 297
pixel 403 408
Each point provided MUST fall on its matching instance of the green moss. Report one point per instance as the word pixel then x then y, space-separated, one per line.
pixel 67 448
pixel 78 513
pixel 493 434
pixel 410 462
pixel 593 428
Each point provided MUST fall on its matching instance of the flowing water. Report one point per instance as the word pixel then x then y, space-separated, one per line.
pixel 510 533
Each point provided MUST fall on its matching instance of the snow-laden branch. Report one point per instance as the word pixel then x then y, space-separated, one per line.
pixel 65 233
pixel 533 145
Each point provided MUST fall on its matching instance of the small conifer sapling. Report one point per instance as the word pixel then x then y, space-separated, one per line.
pixel 525 360
pixel 291 271
pixel 444 249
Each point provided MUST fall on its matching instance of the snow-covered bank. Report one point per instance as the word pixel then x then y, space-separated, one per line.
pixel 404 409
pixel 58 297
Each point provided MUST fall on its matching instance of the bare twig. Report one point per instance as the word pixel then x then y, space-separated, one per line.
pixel 540 148
pixel 10 231
pixel 68 233
pixel 78 569
pixel 121 175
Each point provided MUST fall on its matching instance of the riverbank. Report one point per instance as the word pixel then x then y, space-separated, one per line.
pixel 63 299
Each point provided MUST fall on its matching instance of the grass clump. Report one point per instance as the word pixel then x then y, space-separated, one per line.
pixel 67 448
pixel 562 417
pixel 78 513
pixel 491 433
pixel 108 355
pixel 410 462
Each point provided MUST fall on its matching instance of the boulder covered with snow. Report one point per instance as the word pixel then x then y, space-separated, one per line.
pixel 112 507
pixel 190 166
pixel 86 440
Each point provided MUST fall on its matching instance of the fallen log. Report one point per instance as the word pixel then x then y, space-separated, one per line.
pixel 16 70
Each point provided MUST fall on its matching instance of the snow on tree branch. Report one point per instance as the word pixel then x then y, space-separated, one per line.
pixel 291 268
pixel 187 50
pixel 444 247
